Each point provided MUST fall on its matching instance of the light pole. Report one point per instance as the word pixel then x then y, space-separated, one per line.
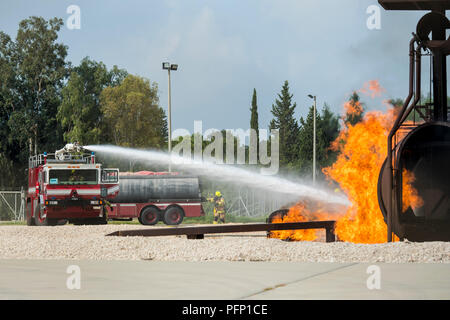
pixel 168 66
pixel 314 139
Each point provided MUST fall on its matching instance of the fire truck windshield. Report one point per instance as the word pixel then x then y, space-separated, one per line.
pixel 73 176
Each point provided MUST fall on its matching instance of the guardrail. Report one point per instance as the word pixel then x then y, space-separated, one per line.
pixel 198 232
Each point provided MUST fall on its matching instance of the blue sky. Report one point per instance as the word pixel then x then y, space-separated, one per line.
pixel 226 48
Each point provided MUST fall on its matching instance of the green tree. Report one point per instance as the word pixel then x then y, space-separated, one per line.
pixel 254 121
pixel 132 114
pixel 354 110
pixel 329 127
pixel 327 130
pixel 79 114
pixel 284 120
pixel 42 69
pixel 8 97
pixel 236 143
pixel 396 103
pixel 305 146
pixel 32 72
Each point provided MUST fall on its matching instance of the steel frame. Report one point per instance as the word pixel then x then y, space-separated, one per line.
pixel 198 232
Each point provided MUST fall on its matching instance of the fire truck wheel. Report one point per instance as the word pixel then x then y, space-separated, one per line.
pixel 173 216
pixel 149 216
pixel 30 220
pixel 40 221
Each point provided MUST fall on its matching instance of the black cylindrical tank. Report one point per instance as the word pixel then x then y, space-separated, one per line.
pixel 156 188
pixel 425 152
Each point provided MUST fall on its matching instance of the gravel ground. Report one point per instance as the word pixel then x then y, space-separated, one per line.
pixel 90 243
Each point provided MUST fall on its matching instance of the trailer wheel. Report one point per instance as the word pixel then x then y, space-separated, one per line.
pixel 149 216
pixel 173 216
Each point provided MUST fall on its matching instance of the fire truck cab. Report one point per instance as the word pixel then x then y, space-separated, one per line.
pixel 69 185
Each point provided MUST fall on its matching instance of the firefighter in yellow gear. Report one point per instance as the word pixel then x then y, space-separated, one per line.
pixel 219 207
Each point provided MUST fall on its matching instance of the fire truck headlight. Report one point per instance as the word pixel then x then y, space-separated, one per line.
pixel 51 202
pixel 94 202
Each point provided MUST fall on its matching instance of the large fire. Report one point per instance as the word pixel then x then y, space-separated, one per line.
pixel 362 150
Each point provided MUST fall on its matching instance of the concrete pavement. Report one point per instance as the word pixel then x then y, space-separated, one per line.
pixel 47 279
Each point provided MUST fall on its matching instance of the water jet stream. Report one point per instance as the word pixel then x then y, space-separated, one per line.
pixel 226 173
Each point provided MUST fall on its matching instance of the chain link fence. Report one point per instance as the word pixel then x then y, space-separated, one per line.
pixel 12 205
pixel 243 201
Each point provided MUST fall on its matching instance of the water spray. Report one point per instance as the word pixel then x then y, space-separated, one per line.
pixel 226 173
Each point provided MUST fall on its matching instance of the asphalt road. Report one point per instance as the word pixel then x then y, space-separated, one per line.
pixel 48 279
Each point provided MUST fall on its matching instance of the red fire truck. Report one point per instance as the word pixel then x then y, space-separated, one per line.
pixel 69 185
pixel 157 196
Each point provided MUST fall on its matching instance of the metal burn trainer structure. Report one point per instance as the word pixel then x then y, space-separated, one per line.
pixel 425 149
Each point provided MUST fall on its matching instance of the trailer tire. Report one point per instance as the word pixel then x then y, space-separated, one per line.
pixel 149 216
pixel 173 216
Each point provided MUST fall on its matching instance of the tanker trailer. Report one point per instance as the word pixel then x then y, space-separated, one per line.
pixel 424 152
pixel 154 196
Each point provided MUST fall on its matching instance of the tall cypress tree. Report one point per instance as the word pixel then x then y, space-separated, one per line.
pixel 254 121
pixel 284 120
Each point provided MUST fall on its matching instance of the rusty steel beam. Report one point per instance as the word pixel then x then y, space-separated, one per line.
pixel 200 231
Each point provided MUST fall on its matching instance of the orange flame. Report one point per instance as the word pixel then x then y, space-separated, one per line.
pixel 410 195
pixel 298 213
pixel 353 108
pixel 362 150
pixel 372 88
